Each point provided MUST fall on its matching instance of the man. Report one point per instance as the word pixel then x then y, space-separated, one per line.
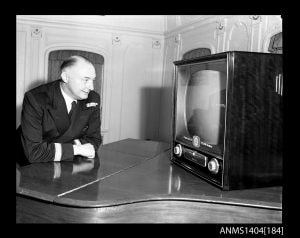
pixel 51 130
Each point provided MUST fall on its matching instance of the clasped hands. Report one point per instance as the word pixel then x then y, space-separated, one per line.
pixel 86 150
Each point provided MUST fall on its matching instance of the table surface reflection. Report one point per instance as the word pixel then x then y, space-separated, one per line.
pixel 130 171
pixel 48 180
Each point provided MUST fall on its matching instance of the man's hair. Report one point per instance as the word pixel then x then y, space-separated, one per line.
pixel 72 60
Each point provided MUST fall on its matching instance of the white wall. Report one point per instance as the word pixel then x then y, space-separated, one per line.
pixel 132 65
pixel 138 52
pixel 219 33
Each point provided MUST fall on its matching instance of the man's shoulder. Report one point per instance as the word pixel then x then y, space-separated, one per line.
pixel 42 92
pixel 43 87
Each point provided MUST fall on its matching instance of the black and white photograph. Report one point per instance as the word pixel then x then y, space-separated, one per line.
pixel 151 119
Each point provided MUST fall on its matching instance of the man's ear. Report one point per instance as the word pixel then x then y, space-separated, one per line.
pixel 64 77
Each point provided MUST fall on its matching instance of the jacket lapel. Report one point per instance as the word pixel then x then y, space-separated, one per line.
pixel 58 109
pixel 75 123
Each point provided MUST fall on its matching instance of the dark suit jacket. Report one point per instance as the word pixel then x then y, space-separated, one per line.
pixel 45 121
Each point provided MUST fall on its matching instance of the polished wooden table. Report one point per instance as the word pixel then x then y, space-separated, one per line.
pixel 133 181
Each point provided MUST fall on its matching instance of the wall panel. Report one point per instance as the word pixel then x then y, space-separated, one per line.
pixel 20 85
pixel 219 33
pixel 171 54
pixel 141 85
pixel 139 68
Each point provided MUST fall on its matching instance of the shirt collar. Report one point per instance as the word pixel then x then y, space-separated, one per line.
pixel 67 98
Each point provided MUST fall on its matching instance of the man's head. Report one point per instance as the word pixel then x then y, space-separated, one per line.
pixel 78 75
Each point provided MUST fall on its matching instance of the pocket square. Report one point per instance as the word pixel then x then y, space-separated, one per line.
pixel 92 104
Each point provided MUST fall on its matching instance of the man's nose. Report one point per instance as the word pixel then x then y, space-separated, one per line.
pixel 90 85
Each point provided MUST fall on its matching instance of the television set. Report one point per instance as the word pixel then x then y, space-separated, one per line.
pixel 227 118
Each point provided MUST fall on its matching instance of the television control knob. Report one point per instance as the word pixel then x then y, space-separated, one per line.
pixel 213 166
pixel 178 150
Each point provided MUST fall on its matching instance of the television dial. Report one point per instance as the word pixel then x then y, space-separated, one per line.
pixel 213 166
pixel 178 150
pixel 196 141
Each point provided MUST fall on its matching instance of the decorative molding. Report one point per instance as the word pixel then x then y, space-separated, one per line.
pixel 156 44
pixel 36 32
pixel 220 27
pixel 255 19
pixel 238 25
pixel 116 40
pixel 220 34
pixel 90 23
pixel 255 28
pixel 189 25
pixel 177 39
pixel 178 21
pixel 178 46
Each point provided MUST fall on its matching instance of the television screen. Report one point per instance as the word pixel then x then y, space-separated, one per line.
pixel 227 118
pixel 201 104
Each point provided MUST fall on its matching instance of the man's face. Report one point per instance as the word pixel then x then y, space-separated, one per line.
pixel 80 80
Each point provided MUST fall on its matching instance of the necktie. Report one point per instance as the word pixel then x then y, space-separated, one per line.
pixel 72 108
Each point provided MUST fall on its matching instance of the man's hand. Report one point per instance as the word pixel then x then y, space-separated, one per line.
pixel 86 150
pixel 83 166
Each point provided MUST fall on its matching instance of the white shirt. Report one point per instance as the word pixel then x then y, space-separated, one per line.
pixel 68 99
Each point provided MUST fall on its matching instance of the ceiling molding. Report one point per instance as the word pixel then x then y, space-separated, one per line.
pixel 92 23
